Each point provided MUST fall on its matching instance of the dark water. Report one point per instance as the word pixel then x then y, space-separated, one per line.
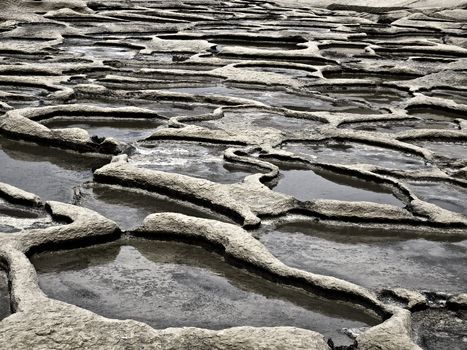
pixel 50 173
pixel 309 185
pixel 447 196
pixel 364 257
pixel 129 208
pixel 122 130
pixel 169 284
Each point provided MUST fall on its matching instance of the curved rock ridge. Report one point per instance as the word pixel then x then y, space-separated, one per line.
pixel 240 245
pixel 365 103
pixel 29 302
pixel 24 124
pixel 40 315
pixel 249 200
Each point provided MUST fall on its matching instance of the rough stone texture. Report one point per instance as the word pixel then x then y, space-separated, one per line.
pixel 240 200
pixel 43 323
pixel 17 195
pixel 414 300
pixel 22 124
pixel 458 301
pixel 240 245
pixel 329 67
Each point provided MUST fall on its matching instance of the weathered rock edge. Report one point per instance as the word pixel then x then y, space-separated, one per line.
pixel 23 124
pixel 247 202
pixel 43 323
pixel 393 333
pixel 18 196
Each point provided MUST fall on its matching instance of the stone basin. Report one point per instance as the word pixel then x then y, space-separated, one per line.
pixel 309 102
pixel 308 185
pixel 47 172
pixel 447 196
pixel 369 257
pixel 167 284
pixel 260 119
pixel 122 130
pixel 402 125
pixel 354 153
pixel 88 49
pixel 128 208
pixel 455 150
pixel 201 160
pixel 4 296
pixel 16 218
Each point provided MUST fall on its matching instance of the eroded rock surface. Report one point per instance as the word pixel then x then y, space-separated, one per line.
pixel 216 123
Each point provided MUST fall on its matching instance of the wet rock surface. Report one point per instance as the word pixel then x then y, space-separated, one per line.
pixel 4 296
pixel 369 258
pixel 129 208
pixel 224 123
pixel 309 185
pixel 16 218
pixel 49 173
pixel 176 285
pixel 440 328
pixel 190 158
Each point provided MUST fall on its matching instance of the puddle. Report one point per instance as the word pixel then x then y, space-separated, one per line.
pixel 435 115
pixel 308 185
pixel 355 153
pixel 259 119
pixel 23 90
pixel 18 96
pixel 158 57
pixel 375 94
pixel 366 75
pixel 4 296
pixel 458 96
pixel 364 257
pixel 395 52
pixel 342 51
pixel 50 173
pixel 436 329
pixel 273 98
pixel 129 208
pixel 446 149
pixel 233 45
pixel 273 45
pixel 291 72
pixel 167 284
pixel 88 49
pixel 164 108
pixel 447 196
pixel 128 130
pixel 191 158
pixel 401 125
pixel 16 218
